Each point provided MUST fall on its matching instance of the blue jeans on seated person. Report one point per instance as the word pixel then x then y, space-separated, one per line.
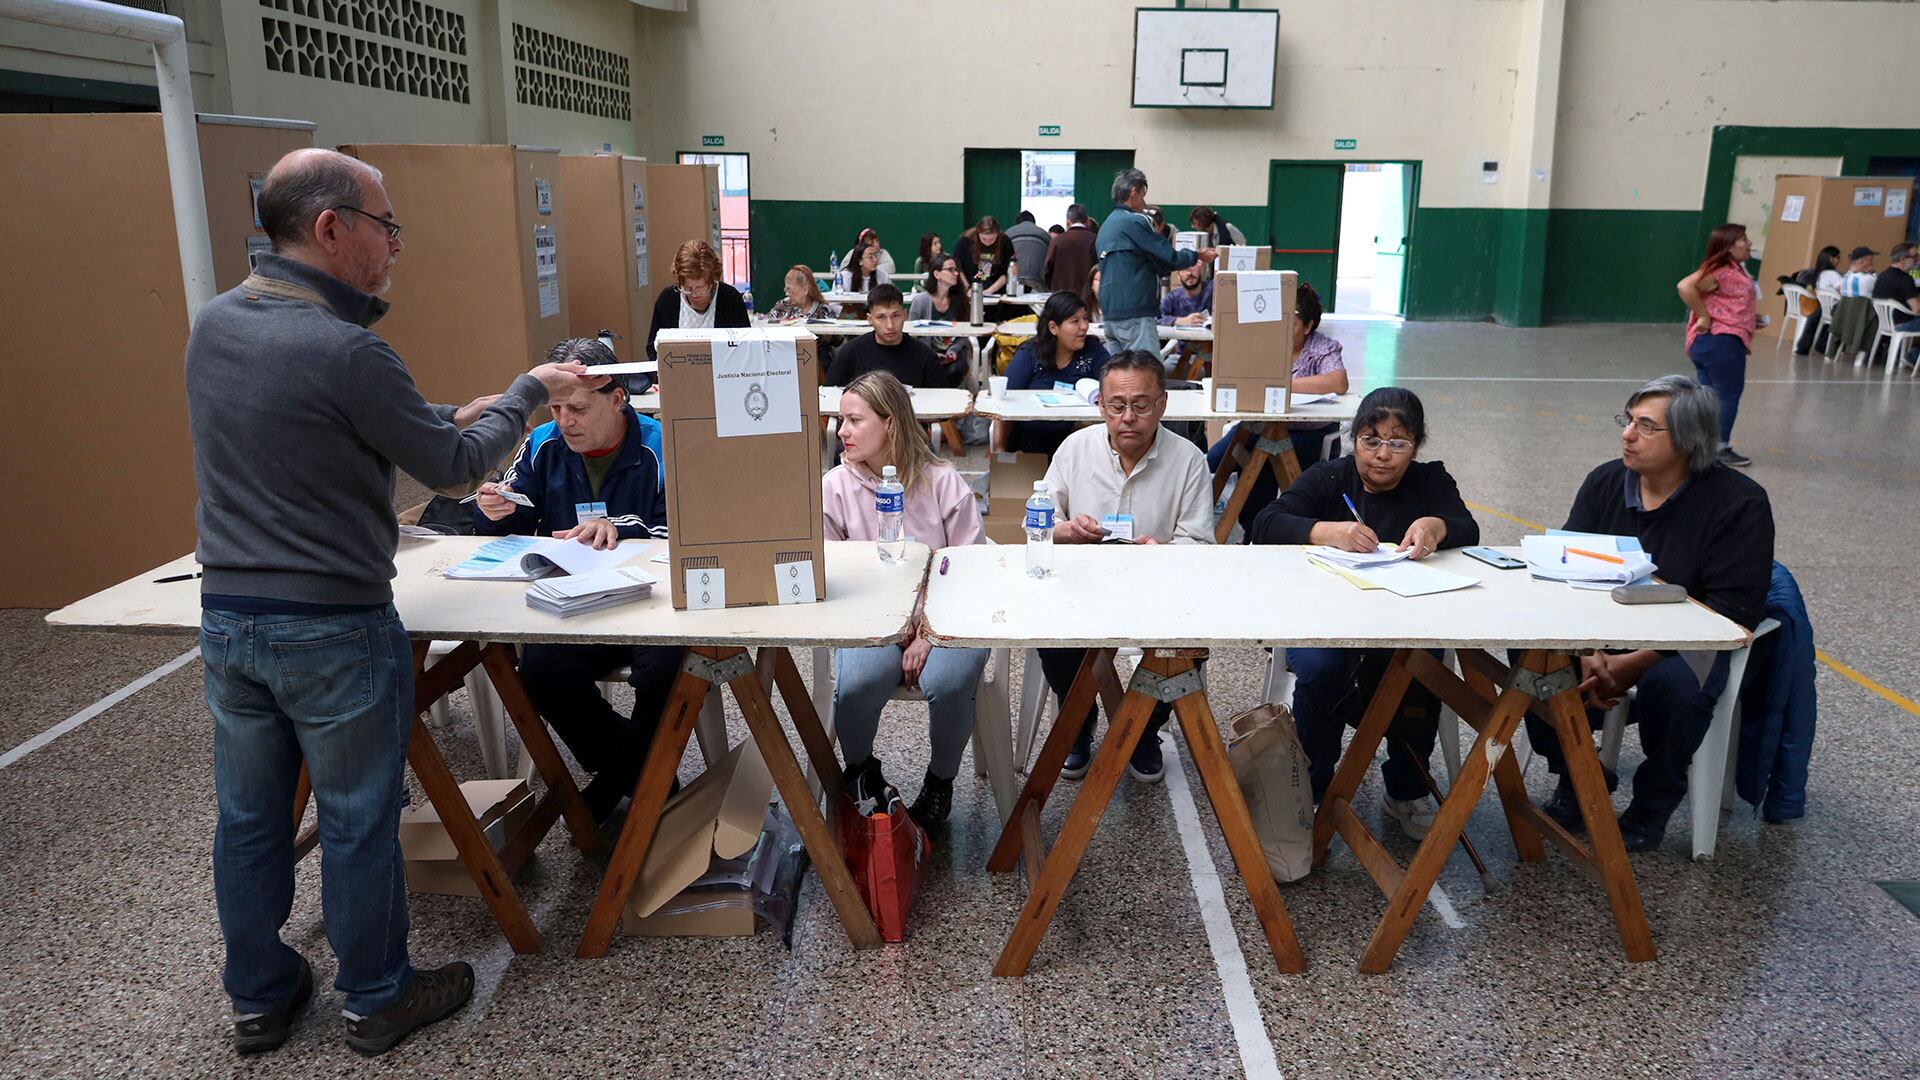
pixel 863 680
pixel 337 692
pixel 1306 450
pixel 1141 333
pixel 1331 690
pixel 1673 709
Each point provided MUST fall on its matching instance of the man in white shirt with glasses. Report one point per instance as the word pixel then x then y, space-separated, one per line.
pixel 1129 480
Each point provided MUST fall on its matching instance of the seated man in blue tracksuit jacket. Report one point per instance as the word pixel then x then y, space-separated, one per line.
pixel 593 474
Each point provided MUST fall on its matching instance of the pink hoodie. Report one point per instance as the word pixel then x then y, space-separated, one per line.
pixel 940 510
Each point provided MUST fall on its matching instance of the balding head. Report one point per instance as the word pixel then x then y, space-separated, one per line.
pixel 316 206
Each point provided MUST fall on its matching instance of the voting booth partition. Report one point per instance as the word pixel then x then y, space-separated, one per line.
pixel 479 294
pixel 95 280
pixel 740 422
pixel 606 244
pixel 683 203
pixel 1810 212
pixel 1253 340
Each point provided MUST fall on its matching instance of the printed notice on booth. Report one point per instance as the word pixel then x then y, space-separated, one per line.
pixel 546 269
pixel 756 384
pixel 1258 294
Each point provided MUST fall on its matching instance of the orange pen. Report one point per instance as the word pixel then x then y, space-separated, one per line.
pixel 1597 555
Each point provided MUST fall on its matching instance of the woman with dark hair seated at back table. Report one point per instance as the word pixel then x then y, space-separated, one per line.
pixel 1061 352
pixel 1413 505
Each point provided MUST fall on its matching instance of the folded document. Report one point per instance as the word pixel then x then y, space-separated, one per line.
pixel 525 558
pixel 1561 557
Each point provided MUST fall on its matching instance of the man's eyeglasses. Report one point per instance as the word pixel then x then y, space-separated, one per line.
pixel 1372 444
pixel 1122 408
pixel 392 227
pixel 1642 425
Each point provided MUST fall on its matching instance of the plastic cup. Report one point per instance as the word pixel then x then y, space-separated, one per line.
pixel 997 385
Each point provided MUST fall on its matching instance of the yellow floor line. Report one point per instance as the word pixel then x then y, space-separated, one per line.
pixel 1892 697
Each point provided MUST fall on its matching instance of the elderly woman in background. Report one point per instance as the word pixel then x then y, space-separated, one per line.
pixel 698 299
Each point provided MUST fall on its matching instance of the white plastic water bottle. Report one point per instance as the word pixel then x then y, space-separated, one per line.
pixel 1040 531
pixel 890 502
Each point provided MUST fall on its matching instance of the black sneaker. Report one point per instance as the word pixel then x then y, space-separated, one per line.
pixel 1146 765
pixel 866 786
pixel 1564 807
pixel 1641 829
pixel 934 803
pixel 433 995
pixel 1080 756
pixel 1730 456
pixel 267 1031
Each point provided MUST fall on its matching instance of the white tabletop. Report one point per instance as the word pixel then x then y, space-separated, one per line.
pixel 868 603
pixel 1034 300
pixel 1181 405
pixel 1099 330
pixel 929 402
pixel 828 275
pixel 856 327
pixel 1211 597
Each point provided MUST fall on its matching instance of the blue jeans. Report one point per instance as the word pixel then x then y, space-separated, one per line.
pixel 1331 690
pixel 864 679
pixel 1138 333
pixel 1673 709
pixel 337 692
pixel 1721 362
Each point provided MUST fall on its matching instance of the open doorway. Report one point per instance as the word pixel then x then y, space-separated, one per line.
pixel 1046 185
pixel 735 261
pixel 1371 273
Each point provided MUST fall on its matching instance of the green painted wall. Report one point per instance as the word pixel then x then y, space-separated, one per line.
pixel 1523 255
pixel 1618 265
pixel 1453 260
pixel 789 231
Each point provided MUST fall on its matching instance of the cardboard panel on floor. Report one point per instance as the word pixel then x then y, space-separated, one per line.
pixel 479 292
pixel 97 279
pixel 1845 211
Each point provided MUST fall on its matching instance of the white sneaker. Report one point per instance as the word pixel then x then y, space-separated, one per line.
pixel 1414 815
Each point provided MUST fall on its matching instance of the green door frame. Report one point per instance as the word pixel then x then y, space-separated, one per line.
pixel 1413 204
pixel 1855 146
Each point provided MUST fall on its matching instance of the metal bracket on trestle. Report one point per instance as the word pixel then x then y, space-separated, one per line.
pixel 1168 688
pixel 1272 447
pixel 1541 686
pixel 717 671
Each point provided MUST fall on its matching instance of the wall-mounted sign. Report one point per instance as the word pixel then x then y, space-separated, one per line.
pixel 713 140
pixel 1050 131
pixel 1346 144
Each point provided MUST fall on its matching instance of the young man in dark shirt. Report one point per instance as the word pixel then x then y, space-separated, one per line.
pixel 889 349
pixel 1707 528
pixel 1896 283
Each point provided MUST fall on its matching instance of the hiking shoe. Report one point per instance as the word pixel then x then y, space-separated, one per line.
pixel 1730 456
pixel 1564 807
pixel 934 802
pixel 1414 815
pixel 1080 757
pixel 1146 765
pixel 433 995
pixel 261 1032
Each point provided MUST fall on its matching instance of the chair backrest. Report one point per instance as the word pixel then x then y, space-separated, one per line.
pixel 1795 299
pixel 1827 298
pixel 1884 309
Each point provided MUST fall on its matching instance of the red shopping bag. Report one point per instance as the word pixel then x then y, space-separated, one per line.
pixel 887 855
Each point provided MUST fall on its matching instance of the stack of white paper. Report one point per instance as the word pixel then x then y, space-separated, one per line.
pixel 525 558
pixel 1084 392
pixel 1390 570
pixel 1563 558
pixel 1381 556
pixel 577 594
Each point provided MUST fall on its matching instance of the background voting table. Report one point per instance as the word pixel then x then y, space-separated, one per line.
pixel 868 603
pixel 1266 432
pixel 1177 602
pixel 1099 330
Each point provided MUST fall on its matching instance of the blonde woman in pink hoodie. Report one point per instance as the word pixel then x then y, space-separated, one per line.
pixel 877 429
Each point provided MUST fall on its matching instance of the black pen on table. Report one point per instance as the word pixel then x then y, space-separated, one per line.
pixel 176 577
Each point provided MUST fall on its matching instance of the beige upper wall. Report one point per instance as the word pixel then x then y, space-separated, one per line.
pixel 1418 79
pixel 1644 83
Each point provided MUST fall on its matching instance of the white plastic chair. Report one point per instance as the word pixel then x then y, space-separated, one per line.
pixel 1795 313
pixel 1829 299
pixel 1895 337
pixel 1710 777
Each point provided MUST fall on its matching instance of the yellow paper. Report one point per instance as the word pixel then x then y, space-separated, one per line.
pixel 1355 580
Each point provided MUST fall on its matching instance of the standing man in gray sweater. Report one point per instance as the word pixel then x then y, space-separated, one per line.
pixel 299 415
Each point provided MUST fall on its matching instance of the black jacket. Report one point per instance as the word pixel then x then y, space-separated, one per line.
pixel 1427 490
pixel 732 312
pixel 912 361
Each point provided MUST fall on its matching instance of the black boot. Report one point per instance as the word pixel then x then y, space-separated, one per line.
pixel 934 803
pixel 1564 807
pixel 1642 828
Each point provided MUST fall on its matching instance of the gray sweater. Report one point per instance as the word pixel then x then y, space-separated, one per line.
pixel 299 415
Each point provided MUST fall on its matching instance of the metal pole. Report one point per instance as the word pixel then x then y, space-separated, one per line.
pixel 168 36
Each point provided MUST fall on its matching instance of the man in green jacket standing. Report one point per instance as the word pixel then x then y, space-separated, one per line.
pixel 1134 258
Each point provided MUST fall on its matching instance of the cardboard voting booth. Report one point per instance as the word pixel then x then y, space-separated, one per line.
pixel 683 203
pixel 1010 479
pixel 433 863
pixel 608 250
pixel 1253 340
pixel 740 420
pixel 1810 212
pixel 1238 257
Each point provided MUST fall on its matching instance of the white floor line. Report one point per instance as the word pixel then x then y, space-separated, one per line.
pixel 1243 1009
pixel 98 707
pixel 1444 905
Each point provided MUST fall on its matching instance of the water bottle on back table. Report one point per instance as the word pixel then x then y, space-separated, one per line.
pixel 890 502
pixel 1040 531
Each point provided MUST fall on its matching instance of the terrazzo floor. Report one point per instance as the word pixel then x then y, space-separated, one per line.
pixel 1779 957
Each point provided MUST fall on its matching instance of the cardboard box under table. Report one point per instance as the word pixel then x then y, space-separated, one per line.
pixel 499 807
pixel 1010 479
pixel 717 817
pixel 739 416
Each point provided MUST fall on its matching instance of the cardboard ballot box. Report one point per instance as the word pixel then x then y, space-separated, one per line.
pixel 433 863
pixel 717 817
pixel 1253 340
pixel 1237 257
pixel 1010 480
pixel 740 421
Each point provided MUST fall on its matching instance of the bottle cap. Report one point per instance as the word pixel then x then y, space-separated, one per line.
pixel 887 472
pixel 1039 485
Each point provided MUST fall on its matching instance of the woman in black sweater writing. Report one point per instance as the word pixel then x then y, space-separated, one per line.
pixel 1413 506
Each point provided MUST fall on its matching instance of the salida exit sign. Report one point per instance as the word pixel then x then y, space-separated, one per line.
pixel 713 140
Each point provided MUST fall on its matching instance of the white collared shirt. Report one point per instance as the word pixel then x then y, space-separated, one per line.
pixel 1169 493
